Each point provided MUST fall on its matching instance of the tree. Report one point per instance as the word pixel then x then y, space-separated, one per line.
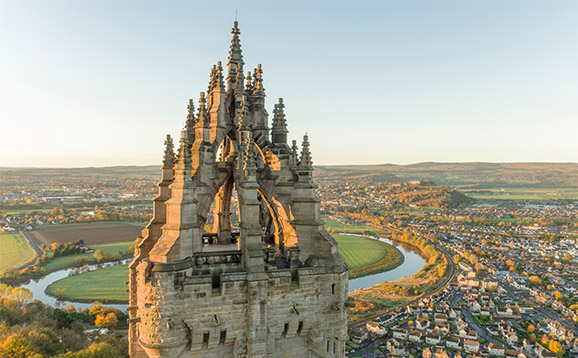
pixel 535 280
pixel 109 320
pixel 556 347
pixel 98 255
pixel 17 346
pixel 558 295
pixel 21 295
pixel 567 257
pixel 531 328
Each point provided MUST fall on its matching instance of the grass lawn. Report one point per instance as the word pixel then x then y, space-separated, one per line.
pixel 15 251
pixel 105 285
pixel 68 261
pixel 365 256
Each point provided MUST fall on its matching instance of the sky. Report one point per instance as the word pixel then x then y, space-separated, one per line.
pixel 100 83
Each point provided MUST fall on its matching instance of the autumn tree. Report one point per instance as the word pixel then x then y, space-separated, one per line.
pixel 98 255
pixel 556 347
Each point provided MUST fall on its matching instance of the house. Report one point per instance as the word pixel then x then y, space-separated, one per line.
pixel 395 347
pixel 432 339
pixel 359 335
pixel 442 329
pixel 496 349
pixel 453 342
pixel 376 328
pixel 547 354
pixel 471 346
pixel 399 333
pixel 440 318
pixel 515 354
pixel 415 336
pixel 511 337
pixel 427 353
pixel 475 306
pixel 421 324
pixel 471 334
pixel 440 353
pixel 460 324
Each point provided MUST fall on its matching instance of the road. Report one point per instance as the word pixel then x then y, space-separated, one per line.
pixel 544 312
pixel 367 351
pixel 36 249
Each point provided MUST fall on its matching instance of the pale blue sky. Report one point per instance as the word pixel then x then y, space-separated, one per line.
pixel 93 83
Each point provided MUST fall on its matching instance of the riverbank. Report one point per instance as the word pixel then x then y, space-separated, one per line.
pixel 105 285
pixel 366 256
pixel 386 296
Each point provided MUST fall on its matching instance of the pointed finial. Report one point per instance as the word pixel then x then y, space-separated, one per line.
pixel 249 87
pixel 190 122
pixel 184 152
pixel 169 157
pixel 279 122
pixel 305 161
pixel 219 80
pixel 258 81
pixel 203 116
pixel 235 63
pixel 235 54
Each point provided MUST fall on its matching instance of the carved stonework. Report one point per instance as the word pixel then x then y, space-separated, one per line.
pixel 272 286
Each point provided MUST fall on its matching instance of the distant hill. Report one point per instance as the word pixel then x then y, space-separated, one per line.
pixel 466 175
pixel 427 194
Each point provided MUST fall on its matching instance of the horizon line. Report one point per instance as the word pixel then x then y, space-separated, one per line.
pixel 315 165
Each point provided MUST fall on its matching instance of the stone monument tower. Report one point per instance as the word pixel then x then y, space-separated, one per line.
pixel 272 286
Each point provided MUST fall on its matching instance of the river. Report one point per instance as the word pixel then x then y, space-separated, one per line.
pixel 38 288
pixel 412 264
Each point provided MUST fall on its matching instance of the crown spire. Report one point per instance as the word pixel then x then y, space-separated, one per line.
pixel 169 157
pixel 235 63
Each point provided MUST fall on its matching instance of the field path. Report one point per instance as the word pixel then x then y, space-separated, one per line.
pixel 33 246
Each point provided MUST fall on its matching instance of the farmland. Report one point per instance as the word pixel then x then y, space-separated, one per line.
pixel 336 226
pixel 68 261
pixel 15 251
pixel 91 233
pixel 104 285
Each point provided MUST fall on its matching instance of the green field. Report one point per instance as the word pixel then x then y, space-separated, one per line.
pixel 68 261
pixel 104 285
pixel 333 225
pixel 365 256
pixel 15 251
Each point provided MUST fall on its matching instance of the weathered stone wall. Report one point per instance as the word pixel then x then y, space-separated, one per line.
pixel 187 317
